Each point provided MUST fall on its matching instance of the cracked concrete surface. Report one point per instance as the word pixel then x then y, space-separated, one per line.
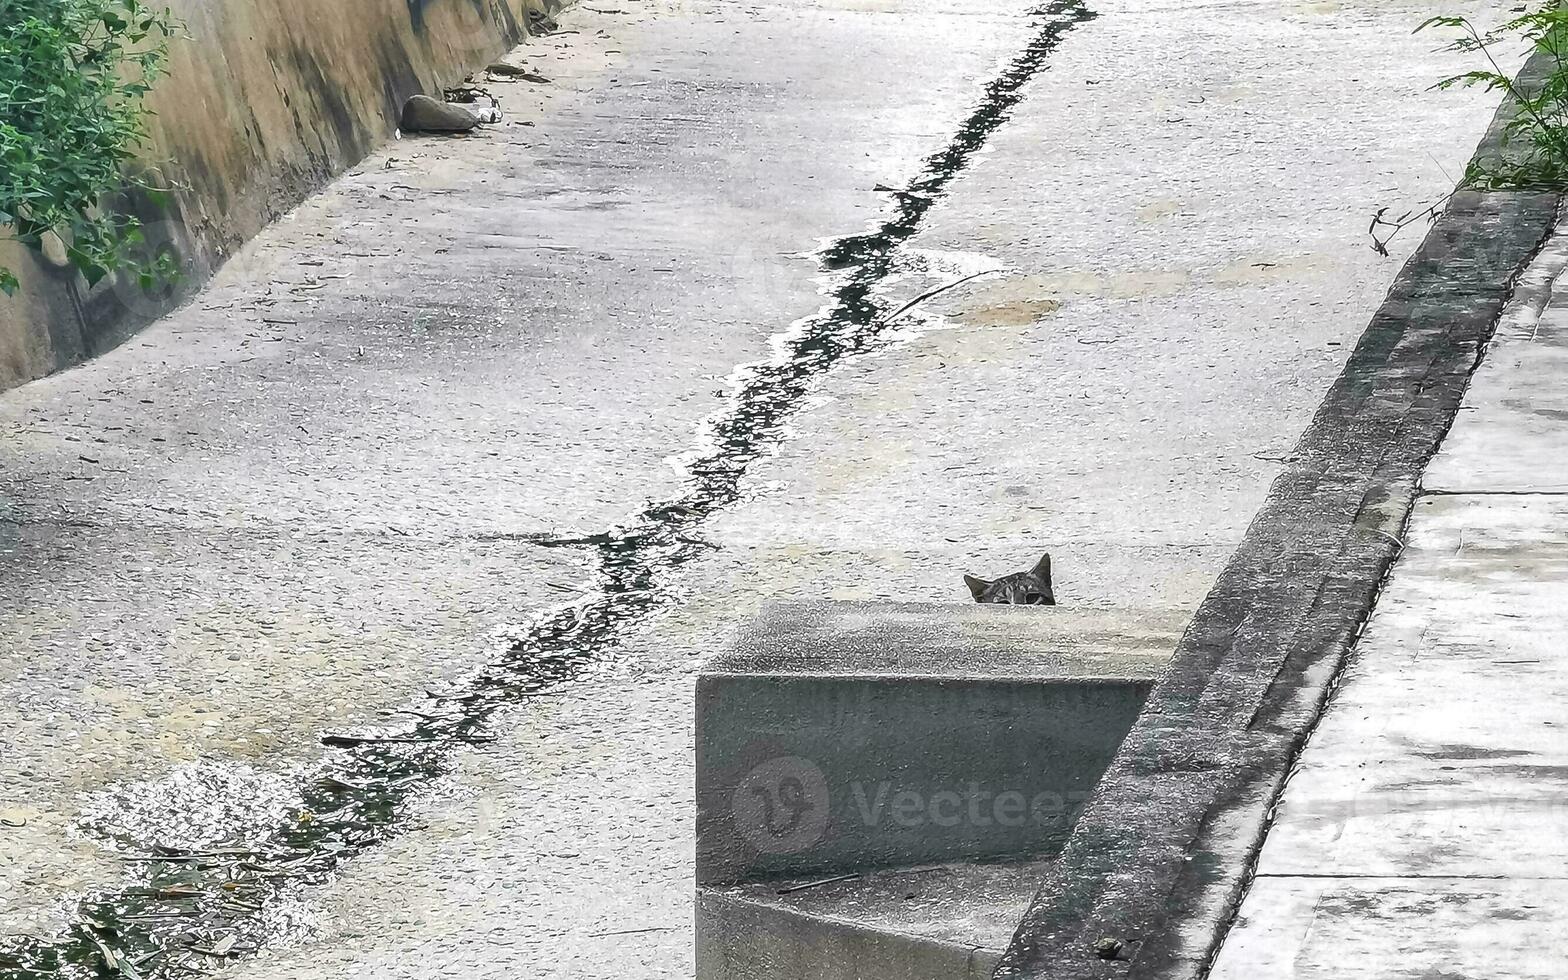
pixel 307 496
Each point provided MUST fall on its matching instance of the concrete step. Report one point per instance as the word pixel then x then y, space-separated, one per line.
pixel 941 922
pixel 837 737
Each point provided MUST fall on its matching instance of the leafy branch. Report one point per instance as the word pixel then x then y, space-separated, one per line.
pixel 74 75
pixel 1533 149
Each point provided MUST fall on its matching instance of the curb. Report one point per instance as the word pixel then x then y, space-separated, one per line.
pixel 1161 856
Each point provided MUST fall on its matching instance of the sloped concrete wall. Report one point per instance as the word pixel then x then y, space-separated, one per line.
pixel 266 100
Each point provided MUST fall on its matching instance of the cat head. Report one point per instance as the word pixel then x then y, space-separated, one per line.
pixel 1031 588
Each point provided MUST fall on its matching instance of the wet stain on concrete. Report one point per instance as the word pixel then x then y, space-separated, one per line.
pixel 1458 752
pixel 1019 313
pixel 192 912
pixel 353 139
pixel 1155 210
pixel 485 9
pixel 399 78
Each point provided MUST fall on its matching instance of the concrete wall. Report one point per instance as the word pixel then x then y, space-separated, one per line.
pixel 265 102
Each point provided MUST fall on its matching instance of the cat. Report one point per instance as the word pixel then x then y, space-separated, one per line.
pixel 1031 588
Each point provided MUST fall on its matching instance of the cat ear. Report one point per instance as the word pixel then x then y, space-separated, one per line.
pixel 1042 569
pixel 977 586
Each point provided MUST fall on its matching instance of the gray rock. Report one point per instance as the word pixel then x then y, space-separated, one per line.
pixel 422 114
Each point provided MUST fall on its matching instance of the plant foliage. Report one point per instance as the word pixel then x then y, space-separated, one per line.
pixel 1533 151
pixel 73 78
pixel 1535 141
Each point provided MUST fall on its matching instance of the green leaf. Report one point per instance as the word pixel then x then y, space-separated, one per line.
pixel 8 283
pixel 74 75
pixel 1458 22
pixel 93 272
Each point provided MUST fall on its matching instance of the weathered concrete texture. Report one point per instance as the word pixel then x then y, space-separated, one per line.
pixel 265 100
pixel 1161 854
pixel 928 640
pixel 939 921
pixel 1445 753
pixel 1440 768
pixel 1510 437
pixel 896 767
pixel 837 738
pixel 1398 930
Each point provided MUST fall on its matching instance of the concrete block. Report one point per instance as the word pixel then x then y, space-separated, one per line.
pixel 947 922
pixel 841 736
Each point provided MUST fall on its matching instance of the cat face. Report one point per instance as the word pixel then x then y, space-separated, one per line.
pixel 1031 588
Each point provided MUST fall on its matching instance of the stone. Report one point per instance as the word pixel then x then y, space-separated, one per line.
pixel 422 114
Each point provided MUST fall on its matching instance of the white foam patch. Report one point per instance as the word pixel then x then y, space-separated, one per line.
pixel 199 805
pixel 287 920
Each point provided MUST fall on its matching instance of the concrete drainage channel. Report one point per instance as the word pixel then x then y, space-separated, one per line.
pixel 186 913
pixel 848 827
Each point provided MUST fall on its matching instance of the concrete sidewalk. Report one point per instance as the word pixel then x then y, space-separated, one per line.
pixel 1424 832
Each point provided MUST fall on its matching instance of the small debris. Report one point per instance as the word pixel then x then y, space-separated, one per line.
pixel 503 70
pixel 354 741
pixel 116 961
pixel 171 892
pixel 631 932
pixel 1108 948
pixel 485 106
pixel 220 949
pixel 788 889
pixel 928 294
pixel 901 193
